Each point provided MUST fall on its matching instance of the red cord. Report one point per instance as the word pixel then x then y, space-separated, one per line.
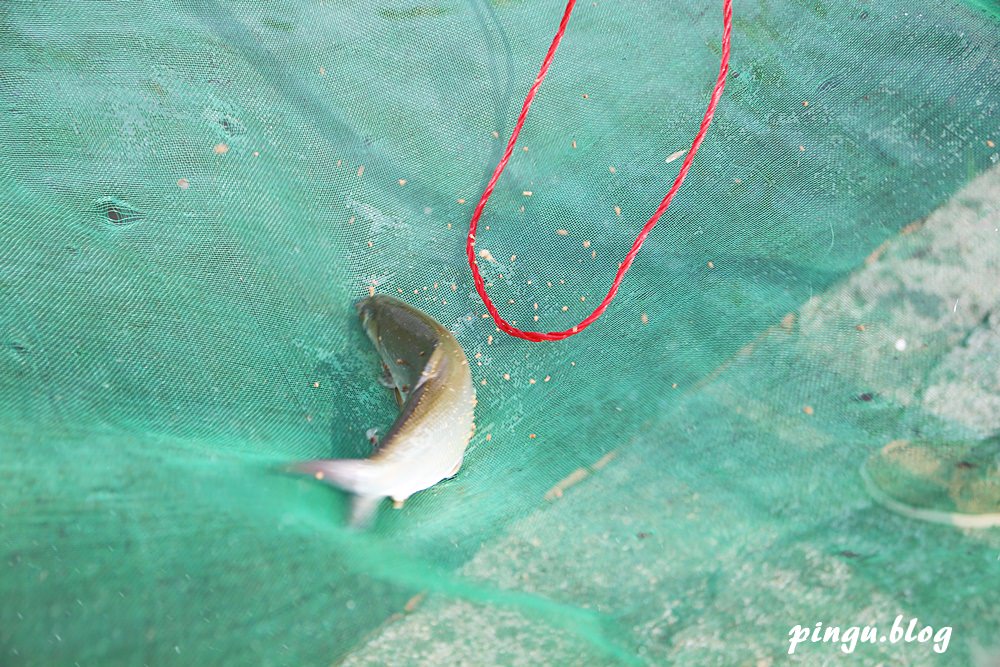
pixel 535 336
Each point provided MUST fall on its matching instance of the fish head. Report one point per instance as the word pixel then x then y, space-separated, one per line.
pixel 367 312
pixel 389 322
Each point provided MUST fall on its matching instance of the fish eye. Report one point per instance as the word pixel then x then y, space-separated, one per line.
pixel 367 316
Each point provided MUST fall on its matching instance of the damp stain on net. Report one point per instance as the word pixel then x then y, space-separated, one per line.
pixel 415 12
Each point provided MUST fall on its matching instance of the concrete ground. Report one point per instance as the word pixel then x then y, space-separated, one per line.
pixel 715 558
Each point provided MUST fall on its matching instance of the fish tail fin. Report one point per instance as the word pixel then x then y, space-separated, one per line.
pixel 353 475
pixel 357 476
pixel 363 509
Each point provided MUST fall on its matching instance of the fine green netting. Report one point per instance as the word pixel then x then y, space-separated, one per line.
pixel 194 193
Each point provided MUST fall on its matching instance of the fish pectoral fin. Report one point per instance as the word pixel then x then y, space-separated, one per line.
pixel 397 502
pixel 385 379
pixel 362 510
pixel 454 471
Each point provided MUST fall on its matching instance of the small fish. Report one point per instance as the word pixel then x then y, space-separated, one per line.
pixel 430 374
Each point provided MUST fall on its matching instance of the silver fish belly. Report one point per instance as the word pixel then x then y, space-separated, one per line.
pixel 437 399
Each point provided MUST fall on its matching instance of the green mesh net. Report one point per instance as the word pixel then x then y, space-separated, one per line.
pixel 194 194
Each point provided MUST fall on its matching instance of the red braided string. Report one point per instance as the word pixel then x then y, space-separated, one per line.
pixel 535 336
